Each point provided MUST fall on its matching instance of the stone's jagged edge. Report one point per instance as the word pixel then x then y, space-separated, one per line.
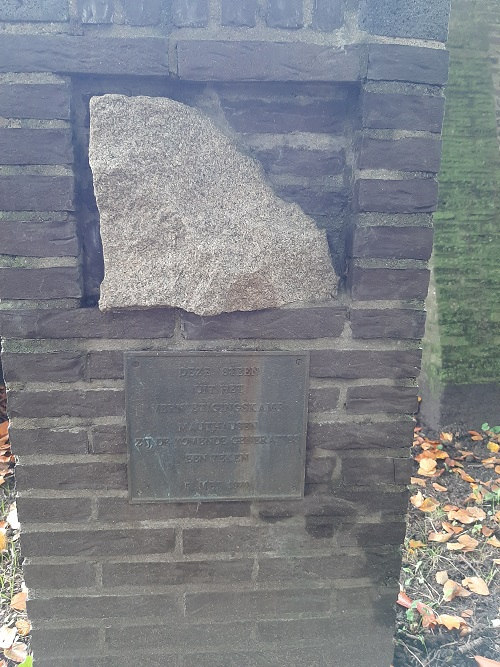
pixel 189 221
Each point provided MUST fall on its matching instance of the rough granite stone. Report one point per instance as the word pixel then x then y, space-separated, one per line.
pixel 188 221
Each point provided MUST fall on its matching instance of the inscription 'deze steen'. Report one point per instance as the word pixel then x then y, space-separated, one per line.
pixel 207 426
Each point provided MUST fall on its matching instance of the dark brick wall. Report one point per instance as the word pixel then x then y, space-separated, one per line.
pixel 352 135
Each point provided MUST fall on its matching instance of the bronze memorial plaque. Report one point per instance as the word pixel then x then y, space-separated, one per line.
pixel 205 426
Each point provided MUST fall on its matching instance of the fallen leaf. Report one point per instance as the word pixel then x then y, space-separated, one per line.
pixel 446 437
pixel 415 544
pixel 439 537
pixel 496 561
pixel 467 613
pixel 487 532
pixel 12 518
pixel 452 529
pixel 4 429
pixel 23 627
pixel 442 577
pixel 486 662
pixel 418 480
pixel 427 468
pixel 7 636
pixel 18 602
pixel 476 585
pixel 404 600
pixel 452 590
pixel 494 541
pixel 17 652
pixel 451 622
pixel 464 475
pixel 496 516
pixel 417 499
pixel 465 543
pixel 439 487
pixel 469 515
pixel 497 469
pixel 429 505
pixel 3 540
pixel 493 447
pixel 449 508
pixel 474 433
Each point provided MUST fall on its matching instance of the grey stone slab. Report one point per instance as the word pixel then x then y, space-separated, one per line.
pixel 413 195
pixel 193 224
pixel 25 146
pixel 34 10
pixel 239 14
pixel 142 12
pixel 394 62
pixel 54 283
pixel 190 13
pixel 413 154
pixel 46 101
pixel 37 193
pixel 394 111
pixel 406 18
pixel 328 15
pixel 285 14
pixel 83 54
pixel 95 11
pixel 265 61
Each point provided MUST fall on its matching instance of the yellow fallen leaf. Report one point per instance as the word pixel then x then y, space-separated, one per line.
pixel 23 626
pixel 469 515
pixel 17 652
pixel 427 467
pixel 3 540
pixel 418 480
pixel 442 577
pixel 452 590
pixel 465 543
pixel 486 662
pixel 439 537
pixel 415 544
pixel 451 622
pixel 18 602
pixel 446 437
pixel 493 447
pixel 429 505
pixel 494 541
pixel 464 475
pixel 439 487
pixel 476 585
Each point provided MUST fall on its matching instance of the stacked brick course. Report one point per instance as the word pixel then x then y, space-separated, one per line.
pixel 345 124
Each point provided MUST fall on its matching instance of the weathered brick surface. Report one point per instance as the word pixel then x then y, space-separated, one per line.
pixel 77 476
pixel 402 470
pixel 87 55
pixel 352 364
pixel 106 606
pixel 54 510
pixel 302 162
pixel 59 576
pixel 39 239
pixel 238 14
pixel 319 470
pixel 48 367
pixel 388 323
pixel 265 61
pixel 311 630
pixel 349 435
pixel 54 283
pixel 364 400
pixel 402 112
pixel 99 543
pixel 44 101
pixel 406 19
pixel 389 283
pixel 34 10
pixel 394 62
pixel 371 534
pixel 314 202
pixel 328 15
pixel 37 193
pixel 190 13
pixel 120 510
pixel 47 441
pixel 108 439
pixel 413 195
pixel 304 323
pixel 255 605
pixel 68 643
pixel 95 11
pixel 393 242
pixel 142 13
pixel 87 323
pixel 367 470
pixel 24 146
pixel 192 573
pixel 77 403
pixel 324 398
pixel 105 365
pixel 284 14
pixel 400 154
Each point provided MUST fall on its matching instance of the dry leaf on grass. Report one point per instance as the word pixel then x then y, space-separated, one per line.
pixel 452 590
pixel 18 602
pixel 476 585
pixel 7 636
pixel 23 626
pixel 12 518
pixel 424 504
pixel 494 542
pixel 487 532
pixel 465 543
pixel 442 577
pixel 439 537
pixel 451 622
pixel 3 540
pixel 17 652
pixel 452 529
pixel 486 662
pixel 439 487
pixel 415 544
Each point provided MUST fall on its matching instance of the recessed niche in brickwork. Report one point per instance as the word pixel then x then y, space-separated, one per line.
pixel 298 132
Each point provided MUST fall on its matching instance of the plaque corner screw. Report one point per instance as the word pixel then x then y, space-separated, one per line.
pixel 136 364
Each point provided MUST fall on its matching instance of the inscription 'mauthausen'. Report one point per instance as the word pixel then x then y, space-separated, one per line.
pixel 186 443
